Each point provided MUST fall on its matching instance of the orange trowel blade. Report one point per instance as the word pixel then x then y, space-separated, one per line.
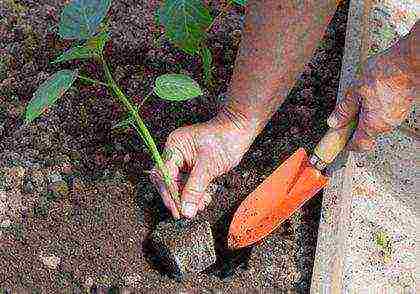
pixel 275 199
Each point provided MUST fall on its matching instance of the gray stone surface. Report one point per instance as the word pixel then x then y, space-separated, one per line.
pixel 367 232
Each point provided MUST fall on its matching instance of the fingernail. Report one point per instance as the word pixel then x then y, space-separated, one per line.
pixel 332 121
pixel 188 209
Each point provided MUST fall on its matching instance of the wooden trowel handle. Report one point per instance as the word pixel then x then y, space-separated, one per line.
pixel 333 142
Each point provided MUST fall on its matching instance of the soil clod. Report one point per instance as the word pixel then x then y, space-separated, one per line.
pixel 185 247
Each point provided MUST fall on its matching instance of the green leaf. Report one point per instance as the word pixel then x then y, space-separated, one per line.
pixel 185 22
pixel 207 60
pixel 176 87
pixel 79 52
pixel 239 2
pixel 93 47
pixel 81 18
pixel 48 93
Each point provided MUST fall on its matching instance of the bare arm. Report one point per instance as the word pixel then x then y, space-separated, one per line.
pixel 411 50
pixel 278 39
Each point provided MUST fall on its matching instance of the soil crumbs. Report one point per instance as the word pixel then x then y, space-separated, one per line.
pixel 76 207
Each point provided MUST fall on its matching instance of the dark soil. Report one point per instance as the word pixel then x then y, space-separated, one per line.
pixel 76 208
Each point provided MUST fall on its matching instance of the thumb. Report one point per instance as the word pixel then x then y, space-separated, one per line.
pixel 194 189
pixel 345 111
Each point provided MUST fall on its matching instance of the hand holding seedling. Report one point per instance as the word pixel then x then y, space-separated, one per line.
pixel 81 21
pixel 207 150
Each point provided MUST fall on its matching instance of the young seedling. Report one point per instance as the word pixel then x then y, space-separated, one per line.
pixel 83 21
pixel 186 24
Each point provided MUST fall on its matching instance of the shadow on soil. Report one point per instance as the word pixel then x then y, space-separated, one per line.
pixel 228 261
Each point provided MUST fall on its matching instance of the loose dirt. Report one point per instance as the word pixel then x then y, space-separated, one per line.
pixel 76 207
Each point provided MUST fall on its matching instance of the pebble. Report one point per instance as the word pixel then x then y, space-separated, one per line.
pixel 54 177
pixel 17 171
pixel 5 223
pixel 59 187
pixel 28 186
pixel 51 261
pixel 38 180
pixel 64 164
pixel 89 282
pixel 75 155
pixel 131 280
pixel 2 128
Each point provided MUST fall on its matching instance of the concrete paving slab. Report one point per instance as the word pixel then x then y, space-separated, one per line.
pixel 367 232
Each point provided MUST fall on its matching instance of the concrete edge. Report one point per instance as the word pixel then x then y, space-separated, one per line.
pixel 335 208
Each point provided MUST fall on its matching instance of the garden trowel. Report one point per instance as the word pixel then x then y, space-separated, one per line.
pixel 292 184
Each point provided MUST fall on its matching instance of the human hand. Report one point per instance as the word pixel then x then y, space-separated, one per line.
pixel 381 98
pixel 207 150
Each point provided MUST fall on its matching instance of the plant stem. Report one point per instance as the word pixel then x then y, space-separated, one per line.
pixel 92 81
pixel 139 125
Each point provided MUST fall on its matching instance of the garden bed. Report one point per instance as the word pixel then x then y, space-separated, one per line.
pixel 77 208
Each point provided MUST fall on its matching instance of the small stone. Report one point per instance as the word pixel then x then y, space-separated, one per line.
pixel 294 130
pixel 127 157
pixel 236 37
pixel 119 73
pixel 59 187
pixel 51 261
pixel 104 281
pixel 28 186
pixel 131 280
pixel 75 155
pixel 185 246
pixel 17 171
pixel 38 180
pixel 89 282
pixel 3 201
pixel 5 223
pixel 63 163
pixel 54 177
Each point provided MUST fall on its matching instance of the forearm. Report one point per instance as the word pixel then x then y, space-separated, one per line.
pixel 404 55
pixel 411 48
pixel 278 39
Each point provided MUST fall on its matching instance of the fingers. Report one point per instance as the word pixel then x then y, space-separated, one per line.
pixel 156 178
pixel 363 138
pixel 205 200
pixel 361 141
pixel 345 111
pixel 172 161
pixel 194 190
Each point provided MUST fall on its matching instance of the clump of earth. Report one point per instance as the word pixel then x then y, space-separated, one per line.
pixel 76 206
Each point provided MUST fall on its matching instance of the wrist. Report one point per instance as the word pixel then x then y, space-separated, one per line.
pixel 252 114
pixel 408 49
pixel 233 118
pixel 413 41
